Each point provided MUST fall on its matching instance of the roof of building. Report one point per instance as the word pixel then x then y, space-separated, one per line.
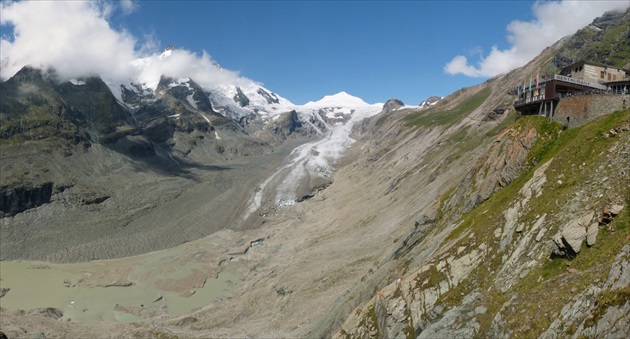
pixel 624 81
pixel 585 62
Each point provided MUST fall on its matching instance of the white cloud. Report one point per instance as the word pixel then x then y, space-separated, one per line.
pixel 71 36
pixel 459 64
pixel 75 38
pixel 553 20
pixel 108 7
pixel 180 64
pixel 128 6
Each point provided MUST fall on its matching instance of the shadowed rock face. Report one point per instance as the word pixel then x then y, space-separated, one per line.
pixel 287 124
pixel 93 105
pixel 240 97
pixel 189 93
pixel 17 199
pixel 35 105
pixel 271 98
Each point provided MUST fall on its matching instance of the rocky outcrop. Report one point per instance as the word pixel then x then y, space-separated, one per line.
pixel 392 105
pixel 591 234
pixel 49 312
pixel 432 100
pixel 271 98
pixel 498 167
pixel 240 98
pixel 600 311
pixel 420 231
pixel 286 125
pixel 16 199
pixel 602 41
pixel 569 240
pixel 609 213
pixel 407 306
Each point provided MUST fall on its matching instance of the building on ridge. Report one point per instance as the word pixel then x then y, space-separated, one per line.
pixel 542 96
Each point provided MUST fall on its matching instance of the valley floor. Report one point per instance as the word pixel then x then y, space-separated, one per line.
pixel 231 282
pixel 145 210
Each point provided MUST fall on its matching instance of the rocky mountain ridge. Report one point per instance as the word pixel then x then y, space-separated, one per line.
pixel 164 125
pixel 601 41
pixel 55 132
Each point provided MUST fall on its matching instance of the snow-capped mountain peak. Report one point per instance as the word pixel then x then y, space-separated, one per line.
pixel 237 101
pixel 167 52
pixel 341 99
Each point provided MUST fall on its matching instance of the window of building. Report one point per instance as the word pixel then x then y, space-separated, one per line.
pixel 614 77
pixel 609 76
pixel 601 74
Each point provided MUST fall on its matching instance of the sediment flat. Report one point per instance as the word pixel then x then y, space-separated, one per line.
pixel 146 211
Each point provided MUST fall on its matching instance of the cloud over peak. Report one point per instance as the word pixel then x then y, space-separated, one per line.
pixel 553 20
pixel 71 36
pixel 76 39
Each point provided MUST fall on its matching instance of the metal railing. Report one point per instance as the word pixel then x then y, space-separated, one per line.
pixel 540 98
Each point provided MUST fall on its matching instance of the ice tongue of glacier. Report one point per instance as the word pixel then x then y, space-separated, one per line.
pixel 315 158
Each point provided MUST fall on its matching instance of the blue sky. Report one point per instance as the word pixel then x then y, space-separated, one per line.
pixel 304 50
pixel 301 50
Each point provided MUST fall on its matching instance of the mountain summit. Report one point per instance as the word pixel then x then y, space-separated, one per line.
pixel 341 99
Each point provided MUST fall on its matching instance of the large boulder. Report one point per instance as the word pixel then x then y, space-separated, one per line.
pixel 591 234
pixel 569 240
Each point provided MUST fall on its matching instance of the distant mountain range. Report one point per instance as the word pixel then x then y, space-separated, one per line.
pixel 171 123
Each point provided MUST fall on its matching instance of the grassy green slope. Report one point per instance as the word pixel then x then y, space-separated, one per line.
pixel 438 116
pixel 579 163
